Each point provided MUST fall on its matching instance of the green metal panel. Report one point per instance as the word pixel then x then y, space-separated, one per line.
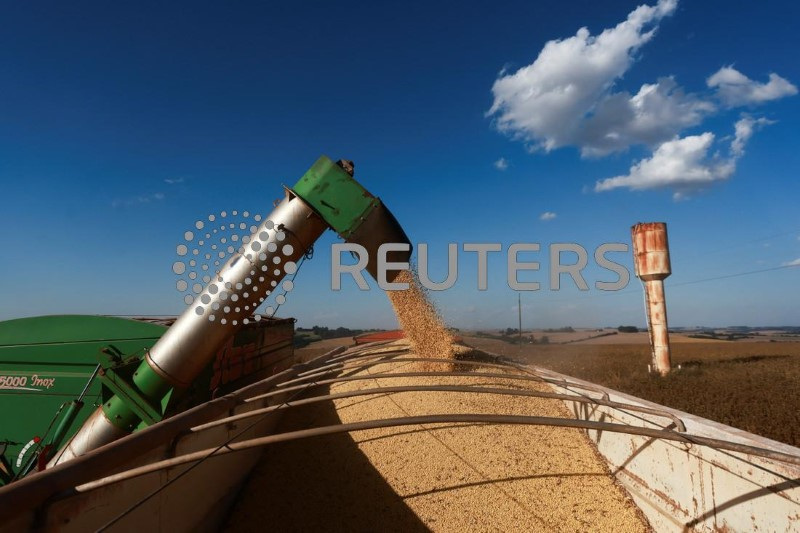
pixel 46 361
pixel 50 359
pixel 339 199
pixel 65 329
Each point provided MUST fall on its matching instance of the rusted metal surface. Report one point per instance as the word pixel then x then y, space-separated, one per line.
pixel 259 349
pixel 462 418
pixel 657 326
pixel 652 265
pixel 464 389
pixel 651 250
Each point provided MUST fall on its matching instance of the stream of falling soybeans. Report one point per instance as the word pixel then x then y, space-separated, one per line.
pixel 420 321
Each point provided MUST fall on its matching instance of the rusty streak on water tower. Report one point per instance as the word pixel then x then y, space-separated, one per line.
pixel 652 264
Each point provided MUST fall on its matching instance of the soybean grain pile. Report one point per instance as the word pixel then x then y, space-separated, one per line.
pixel 420 321
pixel 433 477
pixel 440 477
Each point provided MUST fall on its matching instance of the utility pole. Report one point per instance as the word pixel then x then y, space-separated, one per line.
pixel 519 308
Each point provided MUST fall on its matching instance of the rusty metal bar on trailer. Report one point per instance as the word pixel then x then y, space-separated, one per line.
pixel 605 400
pixel 380 361
pixel 512 364
pixel 355 351
pixel 382 355
pixel 342 362
pixel 439 419
pixel 360 356
pixel 348 355
pixel 34 489
pixel 560 382
pixel 554 381
pixel 566 384
pixel 393 375
pixel 441 388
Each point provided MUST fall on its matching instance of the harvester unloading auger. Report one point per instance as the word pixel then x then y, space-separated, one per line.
pixel 325 197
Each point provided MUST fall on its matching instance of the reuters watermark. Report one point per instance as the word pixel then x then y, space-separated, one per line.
pixel 261 249
pixel 618 274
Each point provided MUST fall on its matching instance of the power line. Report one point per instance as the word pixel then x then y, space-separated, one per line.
pixel 680 284
pixel 752 241
pixel 735 275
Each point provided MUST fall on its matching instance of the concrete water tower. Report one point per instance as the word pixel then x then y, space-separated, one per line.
pixel 651 261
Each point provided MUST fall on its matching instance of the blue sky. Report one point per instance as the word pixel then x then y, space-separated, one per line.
pixel 122 125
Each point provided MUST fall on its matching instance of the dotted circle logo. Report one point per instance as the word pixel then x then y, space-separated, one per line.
pixel 207 279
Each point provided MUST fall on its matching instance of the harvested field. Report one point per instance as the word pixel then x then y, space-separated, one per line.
pixel 752 386
pixel 443 477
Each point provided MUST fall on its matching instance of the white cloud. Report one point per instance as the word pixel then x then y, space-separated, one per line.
pixel 736 89
pixel 794 263
pixel 501 164
pixel 173 181
pixel 567 97
pixel 744 130
pixel 681 164
pixel 564 97
pixel 685 164
pixel 547 215
pixel 653 115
